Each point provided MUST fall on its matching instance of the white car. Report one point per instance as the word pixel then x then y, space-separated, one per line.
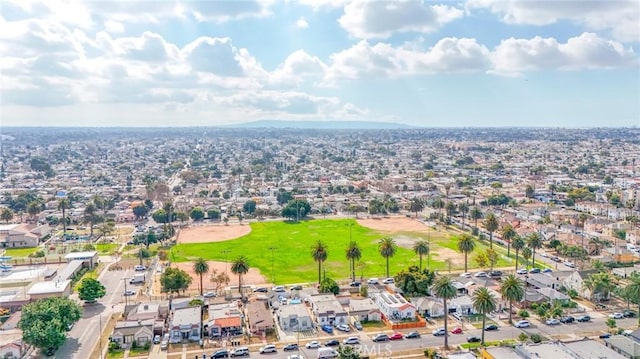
pixel 295 356
pixel 343 328
pixel 372 281
pixel 616 315
pixel 480 275
pixel 313 345
pixel 129 292
pixel 351 340
pixel 522 324
pixel 552 321
pixel 269 348
pixel 522 271
pixel 388 281
pixel 438 332
pixel 279 289
pixel 570 264
pixel 466 275
pixel 139 268
pixel 209 294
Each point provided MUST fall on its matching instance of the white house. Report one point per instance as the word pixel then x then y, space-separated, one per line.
pixel 365 310
pixel 394 306
pixel 294 317
pixel 428 307
pixel 126 332
pixel 185 325
pixel 327 310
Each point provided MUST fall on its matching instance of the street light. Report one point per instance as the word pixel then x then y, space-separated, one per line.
pixel 272 249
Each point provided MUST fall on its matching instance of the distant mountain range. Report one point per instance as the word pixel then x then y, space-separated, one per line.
pixel 323 125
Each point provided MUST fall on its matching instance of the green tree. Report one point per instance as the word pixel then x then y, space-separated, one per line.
pixel 475 214
pixel 444 289
pixel 518 244
pixel 353 254
pixel 91 289
pixel 421 248
pixel 415 282
pixel 492 257
pixel 490 224
pixel 174 280
pixel 63 205
pixel 213 213
pixel 512 289
pixel 347 352
pixel 529 191
pixel 319 254
pixel 466 245
pixel 611 323
pixel 633 290
pixel 483 302
pixel 44 322
pixel 296 209
pixel 416 205
pixel 526 254
pixel 160 216
pixel 140 211
pixel 534 241
pixel 90 216
pixel 249 206
pixel 387 248
pixel 34 208
pixel 240 267
pixel 201 267
pixel 481 260
pixel 196 213
pixel 328 285
pixel 6 214
pixel 508 233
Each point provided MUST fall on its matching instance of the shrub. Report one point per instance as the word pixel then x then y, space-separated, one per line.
pixel 147 346
pixel 113 346
pixel 37 254
pixel 523 313
pixel 536 338
pixel 523 337
pixel 134 345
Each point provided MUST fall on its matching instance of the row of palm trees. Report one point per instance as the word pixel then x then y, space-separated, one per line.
pixel 239 266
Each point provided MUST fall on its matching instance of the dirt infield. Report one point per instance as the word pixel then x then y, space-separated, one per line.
pixel 398 224
pixel 253 277
pixel 213 233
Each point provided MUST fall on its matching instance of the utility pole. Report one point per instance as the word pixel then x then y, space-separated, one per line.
pixel 100 333
pixel 273 277
pixel 225 252
pixel 126 297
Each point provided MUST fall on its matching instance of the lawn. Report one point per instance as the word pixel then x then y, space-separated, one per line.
pixel 505 342
pixel 292 261
pixel 106 248
pixel 20 252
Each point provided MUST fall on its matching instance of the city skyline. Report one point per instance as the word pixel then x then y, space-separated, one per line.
pixel 424 64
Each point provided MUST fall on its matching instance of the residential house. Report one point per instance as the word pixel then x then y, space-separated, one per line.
pixel 129 331
pixel 575 281
pixel 12 345
pixel 57 288
pixel 21 235
pixel 542 280
pixel 365 310
pixel 620 254
pixel 158 312
pixel 185 325
pixel 259 318
pixel 428 307
pixel 225 319
pixel 294 317
pixel 327 310
pixel 627 346
pixel 394 306
pixel 462 304
pixel 531 296
pixel 553 296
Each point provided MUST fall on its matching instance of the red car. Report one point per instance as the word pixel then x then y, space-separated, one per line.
pixel 457 330
pixel 396 336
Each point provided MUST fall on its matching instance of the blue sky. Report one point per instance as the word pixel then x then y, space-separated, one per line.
pixel 424 63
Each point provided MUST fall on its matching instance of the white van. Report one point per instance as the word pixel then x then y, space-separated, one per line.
pixel 372 281
pixel 327 353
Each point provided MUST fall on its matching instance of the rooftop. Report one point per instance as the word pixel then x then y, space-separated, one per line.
pixel 50 287
pixel 81 255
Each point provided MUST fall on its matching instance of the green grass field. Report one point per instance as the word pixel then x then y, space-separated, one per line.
pixel 292 261
pixel 20 252
pixel 106 248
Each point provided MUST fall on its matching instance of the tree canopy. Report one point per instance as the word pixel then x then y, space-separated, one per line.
pixel 415 282
pixel 174 280
pixel 44 322
pixel 328 285
pixel 91 289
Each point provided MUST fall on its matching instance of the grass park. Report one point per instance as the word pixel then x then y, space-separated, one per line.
pixel 291 262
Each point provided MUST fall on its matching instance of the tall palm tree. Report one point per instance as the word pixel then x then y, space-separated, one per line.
pixel 518 244
pixel 483 302
pixel 512 289
pixel 508 233
pixel 201 267
pixel 633 289
pixel 464 208
pixel 421 248
pixel 444 289
pixel 63 205
pixel 90 216
pixel 240 266
pixel 526 254
pixel 466 245
pixel 387 247
pixel 490 224
pixel 353 254
pixel 475 214
pixel 319 254
pixel 534 241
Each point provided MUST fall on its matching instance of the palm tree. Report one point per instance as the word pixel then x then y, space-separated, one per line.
pixel 518 244
pixel 63 205
pixel 483 302
pixel 466 245
pixel 353 254
pixel 633 289
pixel 490 224
pixel 33 208
pixel 534 242
pixel 6 214
pixel 464 208
pixel 90 216
pixel 319 254
pixel 201 267
pixel 512 289
pixel 475 214
pixel 444 289
pixel 387 247
pixel 508 233
pixel 421 248
pixel 526 254
pixel 240 266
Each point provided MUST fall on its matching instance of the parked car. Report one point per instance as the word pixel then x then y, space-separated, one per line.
pixel 490 327
pixel 604 336
pixel 438 332
pixel 351 340
pixel 157 339
pixel 522 271
pixel 357 325
pixel 547 270
pixel 380 337
pixel 473 339
pixel 412 335
pixel 466 275
pixel 616 315
pixel 583 318
pixel 629 314
pixel 222 353
pixel 129 292
pixel 239 352
pixel 535 270
pixel 331 343
pixel 296 356
pixel 209 294
pixel 480 275
pixel 164 344
pixel 355 284
pixel 568 319
pixel 279 289
pixel 456 330
pixel 269 348
pixel 495 274
pixel 139 268
pixel 396 336
pixel 343 328
pixel 313 345
pixel 295 287
pixel 552 321
pixel 388 281
pixel 372 281
pixel 327 328
pixel 522 324
pixel 290 347
pixel 261 290
pixel 570 264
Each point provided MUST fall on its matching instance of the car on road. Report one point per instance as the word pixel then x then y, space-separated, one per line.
pixel 313 345
pixel 129 292
pixel 629 314
pixel 473 339
pixel 583 318
pixel 290 347
pixel 355 284
pixel 222 353
pixel 295 287
pixel 522 324
pixel 457 330
pixel 351 340
pixel 89 302
pixel 570 264
pixel 439 332
pixel 495 274
pixel 295 356
pixel 522 271
pixel 164 344
pixel 332 343
pixel 357 325
pixel 157 339
pixel 535 270
pixel 278 289
pixel 616 315
pixel 388 281
pixel 552 321
pixel 343 328
pixel 604 336
pixel 490 327
pixel 239 352
pixel 260 290
pixel 466 275
pixel 412 335
pixel 547 270
pixel 380 337
pixel 269 348
pixel 396 336
pixel 209 294
pixel 567 319
pixel 480 275
pixel 139 268
pixel 327 328
pixel 372 281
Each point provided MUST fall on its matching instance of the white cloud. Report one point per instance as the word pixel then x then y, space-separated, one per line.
pixel 620 17
pixel 113 27
pixel 324 4
pixel 296 68
pixel 380 19
pixel 302 23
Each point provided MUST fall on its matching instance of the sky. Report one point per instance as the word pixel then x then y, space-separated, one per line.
pixel 207 63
